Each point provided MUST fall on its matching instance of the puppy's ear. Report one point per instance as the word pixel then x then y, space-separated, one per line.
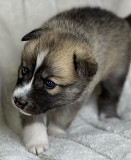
pixel 85 67
pixel 33 34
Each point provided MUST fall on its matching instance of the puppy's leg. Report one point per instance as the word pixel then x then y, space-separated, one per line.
pixel 34 133
pixel 61 118
pixel 111 92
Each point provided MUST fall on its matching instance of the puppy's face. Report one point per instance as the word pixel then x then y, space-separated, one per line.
pixel 53 73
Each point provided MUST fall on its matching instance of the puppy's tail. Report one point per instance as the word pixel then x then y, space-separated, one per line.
pixel 128 19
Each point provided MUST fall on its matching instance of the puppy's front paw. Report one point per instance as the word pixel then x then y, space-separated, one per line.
pixel 35 138
pixel 57 132
pixel 109 119
pixel 37 149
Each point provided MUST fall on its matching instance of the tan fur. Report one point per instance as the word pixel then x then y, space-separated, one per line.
pixel 63 51
pixel 54 91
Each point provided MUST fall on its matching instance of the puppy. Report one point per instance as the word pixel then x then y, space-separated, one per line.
pixel 61 65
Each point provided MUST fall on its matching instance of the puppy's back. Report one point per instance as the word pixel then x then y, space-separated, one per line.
pixel 103 32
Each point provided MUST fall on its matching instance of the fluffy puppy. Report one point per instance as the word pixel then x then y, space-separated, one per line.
pixel 61 65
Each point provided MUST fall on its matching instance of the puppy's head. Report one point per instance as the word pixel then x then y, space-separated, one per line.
pixel 55 69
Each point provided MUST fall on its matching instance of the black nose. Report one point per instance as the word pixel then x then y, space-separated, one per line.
pixel 20 102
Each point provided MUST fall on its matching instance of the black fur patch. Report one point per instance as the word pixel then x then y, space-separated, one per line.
pixel 85 68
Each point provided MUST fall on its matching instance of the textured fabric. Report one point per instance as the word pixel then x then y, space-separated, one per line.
pixel 89 139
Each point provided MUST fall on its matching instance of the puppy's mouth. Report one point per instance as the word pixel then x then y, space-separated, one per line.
pixel 32 111
pixel 25 113
pixel 29 110
pixel 33 108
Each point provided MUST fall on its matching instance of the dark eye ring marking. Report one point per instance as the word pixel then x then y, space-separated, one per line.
pixel 24 71
pixel 49 84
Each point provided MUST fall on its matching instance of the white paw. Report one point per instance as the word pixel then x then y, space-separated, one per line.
pixel 108 120
pixel 35 138
pixel 57 132
pixel 37 149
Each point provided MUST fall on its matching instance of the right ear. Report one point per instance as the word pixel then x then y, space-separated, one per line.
pixel 85 67
pixel 33 34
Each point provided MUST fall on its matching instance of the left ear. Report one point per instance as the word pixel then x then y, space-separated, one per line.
pixel 33 34
pixel 85 67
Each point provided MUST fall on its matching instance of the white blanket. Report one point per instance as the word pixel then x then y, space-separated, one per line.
pixel 89 138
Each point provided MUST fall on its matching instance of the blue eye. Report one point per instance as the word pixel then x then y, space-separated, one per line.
pixel 24 71
pixel 49 84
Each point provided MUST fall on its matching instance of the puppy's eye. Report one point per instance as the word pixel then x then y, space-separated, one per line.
pixel 49 84
pixel 24 70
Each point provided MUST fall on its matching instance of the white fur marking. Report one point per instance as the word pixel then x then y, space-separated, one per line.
pixel 40 58
pixel 22 91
